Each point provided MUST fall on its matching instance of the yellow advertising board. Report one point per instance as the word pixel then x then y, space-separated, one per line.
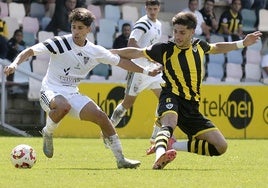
pixel 239 111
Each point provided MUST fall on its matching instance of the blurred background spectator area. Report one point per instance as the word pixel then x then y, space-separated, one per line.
pixel 33 17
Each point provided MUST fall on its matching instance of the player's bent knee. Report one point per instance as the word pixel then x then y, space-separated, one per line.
pixel 67 107
pixel 223 148
pixel 61 110
pixel 219 149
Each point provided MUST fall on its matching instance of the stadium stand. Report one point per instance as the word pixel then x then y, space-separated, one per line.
pixel 44 22
pixel 107 26
pixel 105 39
pixel 30 25
pixel 249 20
pixel 37 10
pixel 12 25
pixel 215 73
pixel 215 63
pixel 29 38
pixel 252 72
pixel 16 10
pixel 253 63
pixel 107 29
pixel 130 13
pixel 235 57
pixel 234 72
pixel 96 10
pixel 112 12
pixel 166 28
pixel 263 21
pixel 4 9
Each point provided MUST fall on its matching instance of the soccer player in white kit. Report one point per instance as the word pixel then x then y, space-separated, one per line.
pixel 71 58
pixel 146 31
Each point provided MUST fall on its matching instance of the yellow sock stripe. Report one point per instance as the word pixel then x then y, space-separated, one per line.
pixel 192 148
pixel 160 137
pixel 157 122
pixel 161 141
pixel 162 144
pixel 206 149
pixel 199 148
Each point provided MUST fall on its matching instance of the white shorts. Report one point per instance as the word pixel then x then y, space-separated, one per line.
pixel 137 82
pixel 76 100
pixel 264 61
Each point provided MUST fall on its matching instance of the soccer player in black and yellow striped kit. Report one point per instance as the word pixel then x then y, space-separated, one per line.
pixel 182 61
pixel 230 22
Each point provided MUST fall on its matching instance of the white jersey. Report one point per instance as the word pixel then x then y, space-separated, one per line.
pixel 69 63
pixel 146 32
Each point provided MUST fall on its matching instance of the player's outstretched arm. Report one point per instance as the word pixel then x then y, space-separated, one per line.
pixel 224 47
pixel 23 56
pixel 129 52
pixel 252 38
pixel 132 67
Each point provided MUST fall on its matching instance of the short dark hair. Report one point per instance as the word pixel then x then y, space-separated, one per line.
pixel 152 2
pixel 234 1
pixel 185 18
pixel 191 1
pixel 125 25
pixel 83 15
pixel 17 31
pixel 213 1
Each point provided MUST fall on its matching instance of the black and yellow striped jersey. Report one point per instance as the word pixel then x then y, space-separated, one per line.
pixel 182 68
pixel 232 21
pixel 3 28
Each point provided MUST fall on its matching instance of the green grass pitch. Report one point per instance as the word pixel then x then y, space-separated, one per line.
pixel 86 163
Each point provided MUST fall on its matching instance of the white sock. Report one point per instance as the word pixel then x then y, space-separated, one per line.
pixel 50 126
pixel 180 146
pixel 119 111
pixel 159 151
pixel 115 146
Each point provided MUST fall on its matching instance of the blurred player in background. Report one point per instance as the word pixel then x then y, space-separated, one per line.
pixel 146 31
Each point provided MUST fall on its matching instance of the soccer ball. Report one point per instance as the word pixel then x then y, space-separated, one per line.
pixel 23 156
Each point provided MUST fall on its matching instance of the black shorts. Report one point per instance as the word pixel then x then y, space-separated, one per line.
pixel 190 120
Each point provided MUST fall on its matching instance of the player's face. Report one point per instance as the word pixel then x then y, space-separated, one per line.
pixel 126 31
pixel 152 11
pixel 70 4
pixel 182 36
pixel 209 6
pixel 193 5
pixel 18 36
pixel 79 32
pixel 236 6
